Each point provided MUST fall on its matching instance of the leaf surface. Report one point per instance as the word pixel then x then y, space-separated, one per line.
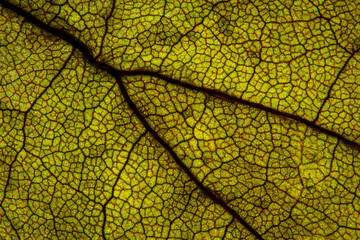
pixel 179 120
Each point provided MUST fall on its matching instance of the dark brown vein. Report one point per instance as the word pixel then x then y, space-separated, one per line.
pixel 333 84
pixel 117 75
pixel 222 95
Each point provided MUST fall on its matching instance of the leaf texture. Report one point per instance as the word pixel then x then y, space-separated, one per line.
pixel 179 119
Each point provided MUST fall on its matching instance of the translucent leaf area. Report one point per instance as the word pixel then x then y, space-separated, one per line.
pixel 179 119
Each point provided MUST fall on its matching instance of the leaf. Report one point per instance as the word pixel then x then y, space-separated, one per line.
pixel 179 120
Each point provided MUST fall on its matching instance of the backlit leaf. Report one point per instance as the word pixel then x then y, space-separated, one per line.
pixel 179 119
